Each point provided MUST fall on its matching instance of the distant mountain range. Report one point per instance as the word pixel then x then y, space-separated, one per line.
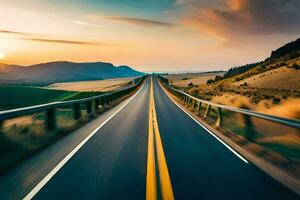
pixel 62 71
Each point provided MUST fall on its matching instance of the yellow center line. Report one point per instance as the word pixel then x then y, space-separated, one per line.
pixel 151 177
pixel 164 177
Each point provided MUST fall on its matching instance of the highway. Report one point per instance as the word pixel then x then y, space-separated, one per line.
pixel 148 148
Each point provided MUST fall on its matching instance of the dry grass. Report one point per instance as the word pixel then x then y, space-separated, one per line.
pixel 24 120
pixel 101 85
pixel 289 108
pixel 183 80
pixel 288 139
pixel 280 78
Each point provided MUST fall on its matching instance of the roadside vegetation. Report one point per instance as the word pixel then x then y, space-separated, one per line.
pixel 266 86
pixel 271 87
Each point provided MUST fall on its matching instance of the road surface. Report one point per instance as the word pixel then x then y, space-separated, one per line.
pixel 148 148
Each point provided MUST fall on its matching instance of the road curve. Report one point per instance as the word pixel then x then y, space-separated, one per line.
pixel 186 162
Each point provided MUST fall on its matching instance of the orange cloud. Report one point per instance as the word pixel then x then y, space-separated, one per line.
pixel 237 5
pixel 246 18
pixel 46 39
pixel 142 22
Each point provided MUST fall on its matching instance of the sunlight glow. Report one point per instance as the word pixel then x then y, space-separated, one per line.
pixel 2 55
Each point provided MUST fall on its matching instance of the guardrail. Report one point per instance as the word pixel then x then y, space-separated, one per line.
pixel 196 103
pixel 49 108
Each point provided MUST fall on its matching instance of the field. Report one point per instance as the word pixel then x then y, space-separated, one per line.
pixel 101 85
pixel 183 80
pixel 15 96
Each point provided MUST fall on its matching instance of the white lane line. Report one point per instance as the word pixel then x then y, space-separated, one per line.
pixel 44 181
pixel 226 145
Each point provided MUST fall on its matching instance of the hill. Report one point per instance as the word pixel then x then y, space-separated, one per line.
pixel 62 71
pixel 286 52
pixel 288 55
pixel 265 87
pixel 286 49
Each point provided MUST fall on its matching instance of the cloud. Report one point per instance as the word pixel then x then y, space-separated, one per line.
pixel 14 32
pixel 239 18
pixel 62 41
pixel 82 23
pixel 46 39
pixel 142 22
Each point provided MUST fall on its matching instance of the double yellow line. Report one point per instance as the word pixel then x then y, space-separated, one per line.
pixel 156 154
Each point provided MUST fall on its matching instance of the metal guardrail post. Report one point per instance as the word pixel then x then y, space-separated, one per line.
pixel 207 110
pixel 50 119
pixel 96 104
pixel 182 98
pixel 1 125
pixel 199 107
pixel 89 107
pixel 112 97
pixel 194 104
pixel 77 111
pixel 189 101
pixel 220 117
pixel 107 99
pixel 101 102
pixel 250 133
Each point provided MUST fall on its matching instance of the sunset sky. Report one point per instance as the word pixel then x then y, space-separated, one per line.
pixel 149 35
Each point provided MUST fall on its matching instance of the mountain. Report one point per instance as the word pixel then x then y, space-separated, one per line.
pixel 286 52
pixel 287 56
pixel 286 49
pixel 62 71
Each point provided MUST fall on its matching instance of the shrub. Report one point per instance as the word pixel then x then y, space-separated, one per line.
pixel 295 66
pixel 209 81
pixel 276 100
pixel 238 79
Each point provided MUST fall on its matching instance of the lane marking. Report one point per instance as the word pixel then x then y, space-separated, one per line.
pixel 209 131
pixel 44 181
pixel 151 186
pixel 164 177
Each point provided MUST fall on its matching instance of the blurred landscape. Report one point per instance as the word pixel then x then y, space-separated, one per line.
pixel 271 86
pixel 148 99
pixel 59 81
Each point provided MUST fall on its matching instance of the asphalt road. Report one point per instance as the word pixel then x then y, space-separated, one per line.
pixel 112 164
pixel 201 167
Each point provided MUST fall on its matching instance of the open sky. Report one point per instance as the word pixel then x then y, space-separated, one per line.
pixel 149 35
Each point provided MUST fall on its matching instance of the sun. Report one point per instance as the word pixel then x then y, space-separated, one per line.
pixel 2 55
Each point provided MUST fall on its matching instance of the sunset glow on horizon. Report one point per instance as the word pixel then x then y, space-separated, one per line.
pixel 2 55
pixel 174 35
